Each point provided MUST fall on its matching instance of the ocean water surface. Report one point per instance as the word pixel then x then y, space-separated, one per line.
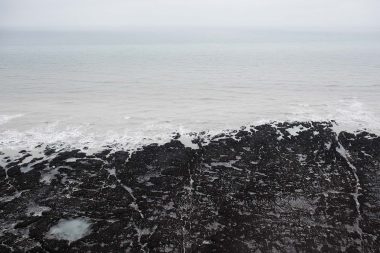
pixel 95 88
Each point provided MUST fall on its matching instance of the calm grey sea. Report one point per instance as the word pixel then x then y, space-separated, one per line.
pixel 93 88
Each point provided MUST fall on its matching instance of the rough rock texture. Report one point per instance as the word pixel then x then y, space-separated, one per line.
pixel 285 187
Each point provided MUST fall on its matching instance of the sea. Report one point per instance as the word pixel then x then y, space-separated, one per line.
pixel 130 87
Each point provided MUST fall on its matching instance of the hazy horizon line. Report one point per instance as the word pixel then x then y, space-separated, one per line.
pixel 192 27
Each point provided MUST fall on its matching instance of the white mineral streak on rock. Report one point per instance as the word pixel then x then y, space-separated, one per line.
pixel 343 152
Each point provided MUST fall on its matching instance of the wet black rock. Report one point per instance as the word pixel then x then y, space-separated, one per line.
pixel 284 187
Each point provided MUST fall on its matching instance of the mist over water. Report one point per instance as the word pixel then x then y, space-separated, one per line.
pixel 94 88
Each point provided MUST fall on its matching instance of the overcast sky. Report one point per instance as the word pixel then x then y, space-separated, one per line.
pixel 252 13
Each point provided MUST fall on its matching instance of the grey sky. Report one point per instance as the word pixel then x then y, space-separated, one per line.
pixel 253 13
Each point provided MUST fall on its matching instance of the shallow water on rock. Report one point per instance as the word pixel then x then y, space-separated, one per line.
pixel 297 186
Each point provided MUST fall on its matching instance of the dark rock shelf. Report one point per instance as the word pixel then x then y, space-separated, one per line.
pixel 284 187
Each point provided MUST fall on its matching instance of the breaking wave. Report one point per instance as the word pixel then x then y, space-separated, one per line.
pixel 347 115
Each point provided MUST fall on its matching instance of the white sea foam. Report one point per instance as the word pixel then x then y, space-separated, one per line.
pixel 70 230
pixel 295 130
pixel 6 118
pixel 350 115
pixel 36 210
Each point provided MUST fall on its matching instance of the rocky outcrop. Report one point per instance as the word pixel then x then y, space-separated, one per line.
pixel 284 187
